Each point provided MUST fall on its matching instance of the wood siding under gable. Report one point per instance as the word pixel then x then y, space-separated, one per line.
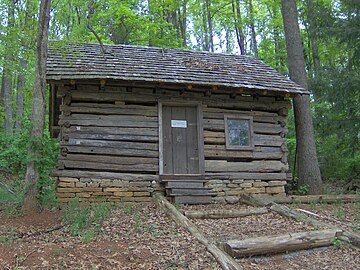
pixel 115 130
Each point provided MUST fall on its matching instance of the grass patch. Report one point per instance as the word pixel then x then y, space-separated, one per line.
pixel 85 219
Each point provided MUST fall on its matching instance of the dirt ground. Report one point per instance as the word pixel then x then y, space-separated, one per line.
pixel 140 238
pixel 335 257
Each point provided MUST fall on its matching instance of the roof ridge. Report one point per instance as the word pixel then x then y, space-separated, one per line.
pixel 162 48
pixel 138 62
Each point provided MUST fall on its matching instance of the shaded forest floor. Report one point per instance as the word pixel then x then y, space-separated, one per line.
pixel 339 256
pixel 141 236
pixel 135 236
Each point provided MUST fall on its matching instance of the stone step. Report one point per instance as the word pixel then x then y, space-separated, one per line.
pixel 184 184
pixel 187 191
pixel 193 199
pixel 166 177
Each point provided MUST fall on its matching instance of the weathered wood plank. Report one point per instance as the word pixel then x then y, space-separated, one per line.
pixel 113 130
pixel 106 175
pixel 253 166
pixel 113 159
pixel 257 117
pixel 109 151
pixel 117 144
pixel 74 164
pixel 110 109
pixel 240 103
pixel 109 123
pixel 260 128
pixel 212 137
pixel 139 118
pixel 99 136
pixel 226 154
pixel 247 176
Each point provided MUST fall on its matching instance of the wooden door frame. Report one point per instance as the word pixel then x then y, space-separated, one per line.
pixel 200 131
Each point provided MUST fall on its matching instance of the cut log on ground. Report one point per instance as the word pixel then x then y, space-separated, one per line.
pixel 347 198
pixel 347 236
pixel 226 262
pixel 282 243
pixel 217 214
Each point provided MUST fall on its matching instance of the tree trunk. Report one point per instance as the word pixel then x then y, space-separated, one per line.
pixel 206 44
pixel 254 46
pixel 313 35
pixel 238 26
pixel 38 106
pixel 182 21
pixel 307 164
pixel 209 25
pixel 20 94
pixel 7 71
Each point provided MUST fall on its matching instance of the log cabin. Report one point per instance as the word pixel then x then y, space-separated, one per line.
pixel 201 127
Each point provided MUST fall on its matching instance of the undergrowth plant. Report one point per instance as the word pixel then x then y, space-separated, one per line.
pixel 14 157
pixel 84 219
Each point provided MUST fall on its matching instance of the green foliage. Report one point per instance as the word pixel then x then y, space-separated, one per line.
pixel 14 157
pixel 303 190
pixel 84 219
pixel 138 222
pixel 336 242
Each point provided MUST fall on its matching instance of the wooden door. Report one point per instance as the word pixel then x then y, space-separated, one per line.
pixel 180 140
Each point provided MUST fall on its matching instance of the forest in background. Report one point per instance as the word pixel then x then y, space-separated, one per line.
pixel 330 34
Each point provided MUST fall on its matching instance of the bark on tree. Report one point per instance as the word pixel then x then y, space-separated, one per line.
pixel 238 25
pixel 210 25
pixel 182 21
pixel 308 171
pixel 20 94
pixel 38 106
pixel 254 46
pixel 313 35
pixel 7 74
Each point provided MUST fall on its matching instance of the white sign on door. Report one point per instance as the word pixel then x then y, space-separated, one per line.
pixel 178 124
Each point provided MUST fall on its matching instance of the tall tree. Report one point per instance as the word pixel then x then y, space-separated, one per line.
pixel 254 46
pixel 235 4
pixel 7 69
pixel 21 80
pixel 38 106
pixel 313 37
pixel 308 171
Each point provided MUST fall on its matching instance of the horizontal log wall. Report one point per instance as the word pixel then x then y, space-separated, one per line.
pixel 115 131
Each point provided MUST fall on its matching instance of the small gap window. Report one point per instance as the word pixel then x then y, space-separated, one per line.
pixel 239 132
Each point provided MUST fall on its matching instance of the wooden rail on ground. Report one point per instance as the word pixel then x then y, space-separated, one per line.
pixel 281 243
pixel 222 213
pixel 347 198
pixel 347 236
pixel 226 262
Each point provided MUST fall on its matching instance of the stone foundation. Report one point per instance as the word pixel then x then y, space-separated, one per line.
pixel 113 190
pixel 229 190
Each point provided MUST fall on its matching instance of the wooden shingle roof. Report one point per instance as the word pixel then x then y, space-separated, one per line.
pixel 136 63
